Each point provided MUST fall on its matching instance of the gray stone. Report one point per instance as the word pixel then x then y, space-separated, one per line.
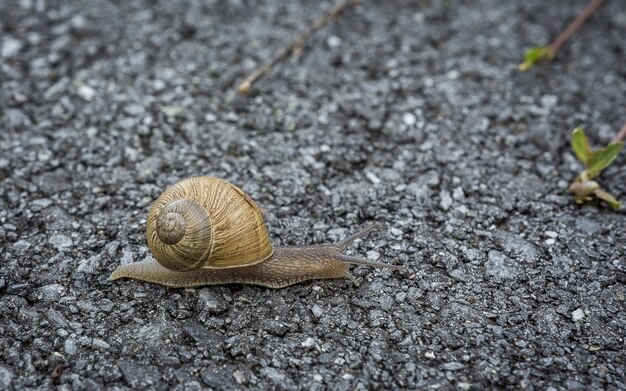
pixel 6 377
pixel 60 241
pixel 139 375
pixel 453 366
pixel 445 200
pixel 10 47
pixel 500 266
pixel 21 245
pixel 90 264
pixel 52 292
pixel 71 346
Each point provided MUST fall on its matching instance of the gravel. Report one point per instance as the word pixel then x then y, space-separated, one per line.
pixel 409 114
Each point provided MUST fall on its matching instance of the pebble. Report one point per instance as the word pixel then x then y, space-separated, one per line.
pixel 317 310
pixel 446 200
pixel 551 234
pixel 10 47
pixel 86 92
pixel 578 315
pixel 372 177
pixel 211 301
pixel 499 265
pixel 409 119
pixel 373 255
pixel 127 256
pixel 274 375
pixel 52 292
pixel 6 377
pixel 60 241
pixel 90 264
pixel 139 375
pixel 453 366
pixel 458 194
pixel 21 245
pixel 333 41
pixel 396 231
pixel 70 346
pixel 100 344
pixel 42 203
pixel 239 376
pixel 308 342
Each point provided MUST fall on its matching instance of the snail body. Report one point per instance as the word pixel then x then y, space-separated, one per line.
pixel 206 231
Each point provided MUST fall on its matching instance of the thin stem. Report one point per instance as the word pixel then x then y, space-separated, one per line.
pixel 295 45
pixel 575 25
pixel 621 136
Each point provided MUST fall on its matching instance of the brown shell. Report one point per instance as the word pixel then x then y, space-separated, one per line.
pixel 208 223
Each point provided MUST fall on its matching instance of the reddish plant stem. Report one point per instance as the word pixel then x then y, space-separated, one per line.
pixel 621 136
pixel 575 25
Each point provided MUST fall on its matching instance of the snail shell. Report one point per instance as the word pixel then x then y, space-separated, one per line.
pixel 206 222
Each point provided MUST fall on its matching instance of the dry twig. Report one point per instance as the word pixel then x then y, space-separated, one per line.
pixel 295 46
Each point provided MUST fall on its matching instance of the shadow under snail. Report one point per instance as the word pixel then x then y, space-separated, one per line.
pixel 206 231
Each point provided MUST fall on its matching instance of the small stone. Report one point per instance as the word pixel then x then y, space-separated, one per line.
pixel 429 354
pixel 372 177
pixel 317 310
pixel 56 318
pixel 409 119
pixel 70 346
pixel 453 366
pixel 239 376
pixel 309 342
pixel 21 245
pixel 60 241
pixel 42 203
pixel 52 292
pixel 446 200
pixel 396 232
pixel 172 111
pixel 211 301
pixel 89 265
pixel 10 47
pixel 500 266
pixel 86 92
pixel 549 101
pixel 100 344
pixel 578 315
pixel 138 375
pixel 550 241
pixel 551 234
pixel 333 41
pixel 15 118
pixel 373 255
pixel 6 377
pixel 127 256
pixel 273 375
pixel 458 194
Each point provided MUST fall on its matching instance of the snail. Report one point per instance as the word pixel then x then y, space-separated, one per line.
pixel 206 231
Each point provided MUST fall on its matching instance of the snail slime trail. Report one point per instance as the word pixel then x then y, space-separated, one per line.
pixel 206 231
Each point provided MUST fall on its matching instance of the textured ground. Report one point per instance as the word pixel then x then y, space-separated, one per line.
pixel 411 114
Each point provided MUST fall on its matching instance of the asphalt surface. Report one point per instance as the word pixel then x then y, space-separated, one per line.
pixel 409 114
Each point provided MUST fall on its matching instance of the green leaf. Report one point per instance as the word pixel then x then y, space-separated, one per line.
pixel 608 198
pixel 536 55
pixel 580 145
pixel 602 158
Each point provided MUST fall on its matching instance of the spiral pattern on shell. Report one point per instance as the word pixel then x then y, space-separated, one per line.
pixel 206 222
